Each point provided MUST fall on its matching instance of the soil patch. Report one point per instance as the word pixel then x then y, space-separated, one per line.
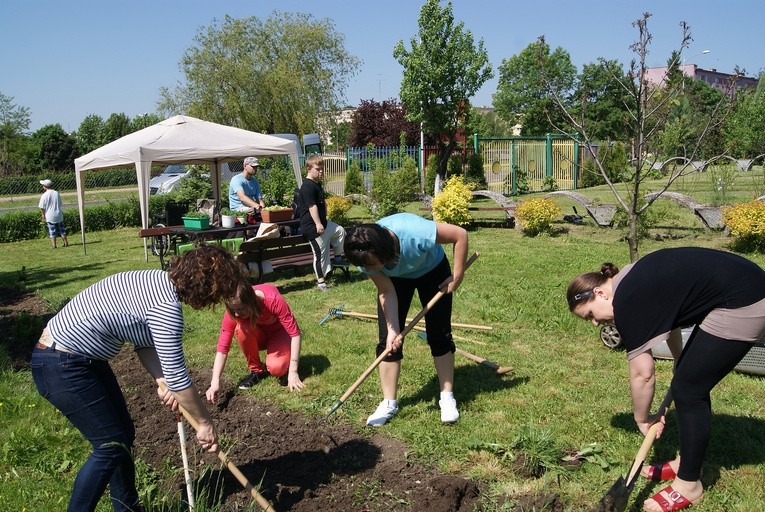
pixel 299 463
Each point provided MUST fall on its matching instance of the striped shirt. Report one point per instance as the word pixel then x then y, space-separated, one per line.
pixel 138 307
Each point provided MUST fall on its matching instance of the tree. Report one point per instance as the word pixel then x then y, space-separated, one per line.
pixel 116 126
pixel 601 98
pixel 14 123
pixel 56 148
pixel 143 121
pixel 91 134
pixel 272 76
pixel 442 71
pixel 488 124
pixel 647 114
pixel 382 124
pixel 524 80
pixel 743 130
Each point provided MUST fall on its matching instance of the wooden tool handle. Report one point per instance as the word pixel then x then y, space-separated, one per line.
pixel 263 502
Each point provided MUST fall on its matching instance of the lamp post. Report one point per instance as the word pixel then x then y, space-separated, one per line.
pixel 682 67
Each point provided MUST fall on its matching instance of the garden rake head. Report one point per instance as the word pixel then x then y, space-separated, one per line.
pixel 333 313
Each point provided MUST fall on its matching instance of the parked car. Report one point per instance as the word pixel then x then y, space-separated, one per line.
pixel 169 180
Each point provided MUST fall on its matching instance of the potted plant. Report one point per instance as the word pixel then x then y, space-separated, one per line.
pixel 227 218
pixel 196 220
pixel 276 213
pixel 241 217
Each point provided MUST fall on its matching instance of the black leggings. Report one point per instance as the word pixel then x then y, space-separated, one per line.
pixel 438 321
pixel 705 360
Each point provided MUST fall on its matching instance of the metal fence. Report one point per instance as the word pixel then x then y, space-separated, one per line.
pixel 530 164
pixel 511 165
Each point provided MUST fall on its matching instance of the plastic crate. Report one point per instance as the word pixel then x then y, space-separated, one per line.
pixel 196 222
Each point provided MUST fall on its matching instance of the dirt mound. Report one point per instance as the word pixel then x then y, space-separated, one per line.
pixel 299 463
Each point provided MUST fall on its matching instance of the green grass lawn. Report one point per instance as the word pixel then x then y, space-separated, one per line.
pixel 568 388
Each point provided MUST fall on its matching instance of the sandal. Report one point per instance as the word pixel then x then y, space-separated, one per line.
pixel 676 500
pixel 658 472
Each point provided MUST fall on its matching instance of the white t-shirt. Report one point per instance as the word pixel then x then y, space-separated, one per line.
pixel 50 202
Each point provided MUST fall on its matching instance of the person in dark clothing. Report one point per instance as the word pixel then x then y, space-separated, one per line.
pixel 314 225
pixel 723 294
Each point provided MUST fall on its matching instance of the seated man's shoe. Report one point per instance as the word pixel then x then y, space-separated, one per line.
pixel 340 261
pixel 383 414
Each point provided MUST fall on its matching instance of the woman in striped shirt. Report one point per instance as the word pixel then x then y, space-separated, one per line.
pixel 71 370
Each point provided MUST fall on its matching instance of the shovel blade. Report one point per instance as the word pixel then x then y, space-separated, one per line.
pixel 335 407
pixel 615 499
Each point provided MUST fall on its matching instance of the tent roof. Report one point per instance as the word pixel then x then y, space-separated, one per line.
pixel 186 140
pixel 179 140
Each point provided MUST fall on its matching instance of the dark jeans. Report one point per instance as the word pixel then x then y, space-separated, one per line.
pixel 87 393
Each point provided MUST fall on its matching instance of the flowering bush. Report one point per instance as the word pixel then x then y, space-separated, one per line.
pixel 337 208
pixel 746 221
pixel 536 215
pixel 451 205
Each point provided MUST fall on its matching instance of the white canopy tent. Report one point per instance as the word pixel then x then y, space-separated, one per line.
pixel 179 140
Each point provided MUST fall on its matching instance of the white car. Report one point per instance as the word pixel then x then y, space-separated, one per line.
pixel 169 180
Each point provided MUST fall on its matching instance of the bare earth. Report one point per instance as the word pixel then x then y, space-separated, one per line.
pixel 298 463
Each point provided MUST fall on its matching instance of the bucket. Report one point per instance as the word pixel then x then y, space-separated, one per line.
pixel 227 221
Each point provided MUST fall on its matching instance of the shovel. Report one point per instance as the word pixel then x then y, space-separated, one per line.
pixel 615 499
pixel 263 502
pixel 385 352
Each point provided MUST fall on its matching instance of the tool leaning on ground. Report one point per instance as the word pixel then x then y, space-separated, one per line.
pixel 499 370
pixel 615 499
pixel 418 327
pixel 385 352
pixel 339 311
pixel 262 502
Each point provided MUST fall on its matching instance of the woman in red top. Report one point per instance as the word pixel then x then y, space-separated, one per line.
pixel 274 329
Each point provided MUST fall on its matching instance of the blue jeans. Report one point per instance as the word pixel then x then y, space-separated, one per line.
pixel 87 393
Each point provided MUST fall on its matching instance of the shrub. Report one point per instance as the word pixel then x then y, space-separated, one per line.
pixel 431 171
pixel 407 180
pixel 475 173
pixel 337 209
pixel 537 215
pixel 278 184
pixel 746 222
pixel 384 198
pixel 354 181
pixel 451 205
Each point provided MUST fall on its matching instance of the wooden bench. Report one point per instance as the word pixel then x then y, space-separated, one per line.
pixel 284 253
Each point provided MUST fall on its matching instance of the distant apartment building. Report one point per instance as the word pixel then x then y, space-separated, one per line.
pixel 716 79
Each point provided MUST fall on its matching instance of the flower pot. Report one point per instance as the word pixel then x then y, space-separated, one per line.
pixel 276 215
pixel 242 219
pixel 227 221
pixel 196 222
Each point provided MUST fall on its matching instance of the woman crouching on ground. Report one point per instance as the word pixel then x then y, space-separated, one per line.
pixel 721 293
pixel 260 319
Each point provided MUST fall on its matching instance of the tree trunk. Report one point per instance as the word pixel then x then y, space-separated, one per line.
pixel 632 237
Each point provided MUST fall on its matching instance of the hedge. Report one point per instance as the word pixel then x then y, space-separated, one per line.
pixel 17 185
pixel 28 225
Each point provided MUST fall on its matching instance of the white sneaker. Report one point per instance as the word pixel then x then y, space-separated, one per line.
pixel 384 412
pixel 449 412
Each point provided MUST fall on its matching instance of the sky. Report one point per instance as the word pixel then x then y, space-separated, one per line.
pixel 65 60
